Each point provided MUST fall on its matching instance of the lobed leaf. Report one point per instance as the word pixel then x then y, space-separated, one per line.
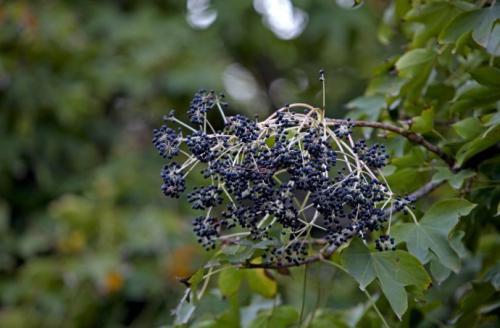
pixel 454 179
pixel 430 234
pixel 393 269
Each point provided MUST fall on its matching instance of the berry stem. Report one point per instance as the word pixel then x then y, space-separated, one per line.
pixel 375 307
pixel 411 136
pixel 221 111
pixel 174 119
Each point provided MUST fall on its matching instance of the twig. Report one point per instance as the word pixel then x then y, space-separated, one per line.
pixel 411 136
pixel 427 188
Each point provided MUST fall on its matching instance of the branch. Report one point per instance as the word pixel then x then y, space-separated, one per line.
pixel 427 188
pixel 411 136
pixel 326 253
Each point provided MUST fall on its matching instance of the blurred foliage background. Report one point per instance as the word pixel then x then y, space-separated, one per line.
pixel 86 238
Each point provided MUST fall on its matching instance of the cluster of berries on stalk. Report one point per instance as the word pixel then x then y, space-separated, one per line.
pixel 385 243
pixel 284 179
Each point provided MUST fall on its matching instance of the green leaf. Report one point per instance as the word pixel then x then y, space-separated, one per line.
pixel 425 122
pixel 402 7
pixel 475 304
pixel 210 323
pixel 389 85
pixel 230 281
pixel 439 92
pixel 486 32
pixel 186 306
pixel 279 317
pixel 468 128
pixel 431 232
pixel 184 310
pixel 484 141
pixel 433 18
pixel 454 179
pixel 463 23
pixel 260 283
pixel 493 276
pixel 231 316
pixel 439 272
pixel 415 62
pixel 394 270
pixel 4 217
pixel 482 24
pixel 257 304
pixel 235 254
pixel 475 97
pixel 493 45
pixel 196 278
pixel 405 180
pixel 487 75
pixel 414 158
pixel 324 319
pixel 386 28
pixel 457 244
pixel 357 260
pixel 367 107
pixel 491 119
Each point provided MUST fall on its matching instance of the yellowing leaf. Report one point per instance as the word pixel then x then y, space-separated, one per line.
pixel 230 281
pixel 260 283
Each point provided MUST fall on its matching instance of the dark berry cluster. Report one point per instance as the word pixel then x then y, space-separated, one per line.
pixel 201 146
pixel 343 128
pixel 166 141
pixel 293 254
pixel 242 127
pixel 402 204
pixel 385 243
pixel 206 229
pixel 283 179
pixel 202 102
pixel 374 156
pixel 173 180
pixel 203 198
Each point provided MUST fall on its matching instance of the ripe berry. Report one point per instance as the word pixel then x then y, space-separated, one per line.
pixel 202 102
pixel 173 180
pixel 166 141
